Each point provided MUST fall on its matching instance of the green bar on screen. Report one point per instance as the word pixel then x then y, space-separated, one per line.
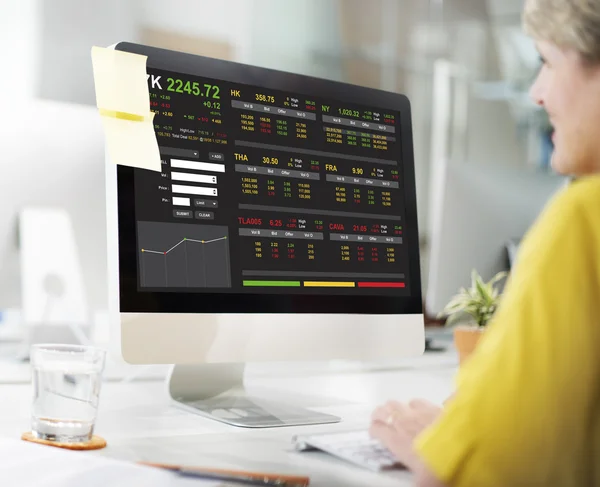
pixel 272 283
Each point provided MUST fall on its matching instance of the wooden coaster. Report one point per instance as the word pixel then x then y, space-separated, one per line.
pixel 96 443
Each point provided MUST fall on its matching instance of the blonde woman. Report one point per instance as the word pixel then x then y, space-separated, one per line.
pixel 526 411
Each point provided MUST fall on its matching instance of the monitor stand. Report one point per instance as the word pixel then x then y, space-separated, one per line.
pixel 217 391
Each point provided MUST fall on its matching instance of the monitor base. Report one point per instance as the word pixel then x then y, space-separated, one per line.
pixel 217 391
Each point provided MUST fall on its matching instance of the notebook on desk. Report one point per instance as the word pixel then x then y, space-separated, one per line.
pixel 29 465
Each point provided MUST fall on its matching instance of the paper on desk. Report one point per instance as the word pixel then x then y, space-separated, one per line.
pixel 25 464
pixel 123 98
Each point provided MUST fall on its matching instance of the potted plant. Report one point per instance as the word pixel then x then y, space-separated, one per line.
pixel 477 304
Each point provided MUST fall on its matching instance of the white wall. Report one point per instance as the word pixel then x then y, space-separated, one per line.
pixel 18 42
pixel 492 132
pixel 286 35
pixel 69 28
pixel 52 48
pixel 222 20
pixel 270 33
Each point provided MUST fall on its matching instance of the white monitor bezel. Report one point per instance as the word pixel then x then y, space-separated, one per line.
pixel 195 338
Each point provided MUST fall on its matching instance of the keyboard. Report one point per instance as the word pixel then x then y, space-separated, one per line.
pixel 356 447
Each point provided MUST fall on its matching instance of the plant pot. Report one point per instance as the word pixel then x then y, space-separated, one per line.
pixel 465 340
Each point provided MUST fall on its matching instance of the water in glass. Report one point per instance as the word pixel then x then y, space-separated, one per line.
pixel 65 399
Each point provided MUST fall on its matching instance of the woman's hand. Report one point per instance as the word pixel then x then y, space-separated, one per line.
pixel 396 425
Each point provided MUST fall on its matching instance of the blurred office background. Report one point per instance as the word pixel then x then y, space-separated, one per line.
pixel 464 64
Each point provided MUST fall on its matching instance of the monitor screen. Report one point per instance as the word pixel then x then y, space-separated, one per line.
pixel 272 190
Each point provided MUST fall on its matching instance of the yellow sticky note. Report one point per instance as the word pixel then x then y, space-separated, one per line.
pixel 120 79
pixel 123 100
pixel 132 143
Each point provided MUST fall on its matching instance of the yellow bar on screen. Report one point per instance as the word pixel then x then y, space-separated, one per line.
pixel 328 284
pixel 122 115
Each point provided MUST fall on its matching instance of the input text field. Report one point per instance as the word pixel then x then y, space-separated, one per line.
pixel 197 166
pixel 178 201
pixel 193 178
pixel 197 190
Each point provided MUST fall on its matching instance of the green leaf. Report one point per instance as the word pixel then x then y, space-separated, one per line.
pixel 479 301
pixel 481 289
pixel 498 277
pixel 454 319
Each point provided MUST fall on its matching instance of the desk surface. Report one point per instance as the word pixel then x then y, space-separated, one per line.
pixel 139 422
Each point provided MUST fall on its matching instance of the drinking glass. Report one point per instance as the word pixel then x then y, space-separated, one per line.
pixel 66 390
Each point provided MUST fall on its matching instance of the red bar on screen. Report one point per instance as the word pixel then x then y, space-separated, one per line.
pixel 381 284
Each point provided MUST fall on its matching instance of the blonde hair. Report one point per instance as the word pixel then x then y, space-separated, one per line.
pixel 570 24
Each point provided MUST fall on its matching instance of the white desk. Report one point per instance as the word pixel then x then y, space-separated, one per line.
pixel 140 424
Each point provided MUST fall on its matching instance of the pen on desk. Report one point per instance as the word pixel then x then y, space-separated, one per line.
pixel 240 477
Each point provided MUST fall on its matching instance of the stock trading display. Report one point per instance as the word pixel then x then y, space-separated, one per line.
pixel 271 190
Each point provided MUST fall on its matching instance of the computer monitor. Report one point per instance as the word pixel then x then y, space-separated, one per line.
pixel 283 227
pixel 52 157
pixel 479 214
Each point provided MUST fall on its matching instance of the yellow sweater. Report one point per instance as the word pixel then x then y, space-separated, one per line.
pixel 527 406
